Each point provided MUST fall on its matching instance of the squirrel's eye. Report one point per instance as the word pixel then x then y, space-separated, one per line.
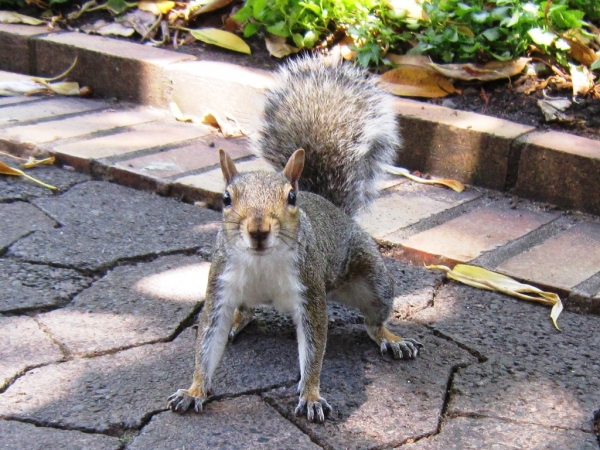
pixel 226 199
pixel 292 198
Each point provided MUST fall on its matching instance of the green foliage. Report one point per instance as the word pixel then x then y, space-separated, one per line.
pixel 11 4
pixel 454 30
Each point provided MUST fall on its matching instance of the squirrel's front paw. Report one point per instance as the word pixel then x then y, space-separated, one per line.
pixel 403 349
pixel 314 411
pixel 181 401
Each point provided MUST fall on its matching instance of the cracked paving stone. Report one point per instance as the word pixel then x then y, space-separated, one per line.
pixel 28 286
pixel 534 373
pixel 414 286
pixel 18 435
pixel 19 219
pixel 22 345
pixel 239 423
pixel 465 433
pixel 103 223
pixel 376 401
pixel 115 391
pixel 20 188
pixel 131 305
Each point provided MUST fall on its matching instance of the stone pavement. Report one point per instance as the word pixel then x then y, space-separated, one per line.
pixel 101 284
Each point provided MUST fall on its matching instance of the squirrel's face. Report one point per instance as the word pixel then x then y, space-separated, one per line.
pixel 260 212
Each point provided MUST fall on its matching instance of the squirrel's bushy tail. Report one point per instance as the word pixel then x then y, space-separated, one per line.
pixel 341 118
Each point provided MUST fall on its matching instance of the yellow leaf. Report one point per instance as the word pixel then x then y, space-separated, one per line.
pixel 494 70
pixel 178 114
pixel 32 162
pixel 13 17
pixel 580 52
pixel 158 7
pixel 492 281
pixel 277 46
pixel 228 129
pixel 455 185
pixel 221 38
pixel 415 81
pixel 212 6
pixel 7 170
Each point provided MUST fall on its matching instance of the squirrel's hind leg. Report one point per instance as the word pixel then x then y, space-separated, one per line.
pixel 241 317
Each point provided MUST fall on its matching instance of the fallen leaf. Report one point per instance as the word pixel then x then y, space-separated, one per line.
pixel 413 60
pixel 416 81
pixel 492 281
pixel 108 28
pixel 221 38
pixel 494 70
pixel 581 52
pixel 212 6
pixel 14 88
pixel 141 21
pixel 277 46
pixel 553 109
pixel 345 50
pixel 7 170
pixel 158 7
pixel 178 114
pixel 228 130
pixel 13 17
pixel 32 162
pixel 582 79
pixel 455 185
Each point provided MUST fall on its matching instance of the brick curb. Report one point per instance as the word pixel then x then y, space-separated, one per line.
pixel 552 167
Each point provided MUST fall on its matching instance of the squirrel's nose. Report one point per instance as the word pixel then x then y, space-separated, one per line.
pixel 258 235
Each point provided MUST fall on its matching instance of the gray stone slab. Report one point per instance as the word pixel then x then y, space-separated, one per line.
pixel 414 287
pixel 240 423
pixel 534 373
pixel 19 188
pixel 377 402
pixel 27 286
pixel 19 219
pixel 131 305
pixel 465 433
pixel 23 345
pixel 116 391
pixel 18 435
pixel 103 223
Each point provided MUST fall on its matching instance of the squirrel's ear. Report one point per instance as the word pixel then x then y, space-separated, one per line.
pixel 227 166
pixel 294 166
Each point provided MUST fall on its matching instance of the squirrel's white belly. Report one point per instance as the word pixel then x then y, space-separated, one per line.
pixel 270 279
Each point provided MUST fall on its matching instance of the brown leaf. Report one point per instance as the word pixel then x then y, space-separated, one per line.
pixel 581 52
pixel 277 46
pixel 416 81
pixel 212 6
pixel 413 60
pixel 494 70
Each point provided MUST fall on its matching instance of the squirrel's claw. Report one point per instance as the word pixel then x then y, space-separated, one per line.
pixel 181 401
pixel 404 349
pixel 314 411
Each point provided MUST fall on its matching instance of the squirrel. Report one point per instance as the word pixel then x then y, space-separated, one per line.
pixel 288 238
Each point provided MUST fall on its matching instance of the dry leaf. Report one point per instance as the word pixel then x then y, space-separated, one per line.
pixel 104 28
pixel 413 60
pixel 582 79
pixel 277 46
pixel 455 185
pixel 415 81
pixel 494 70
pixel 7 170
pixel 212 6
pixel 221 38
pixel 32 162
pixel 227 129
pixel 345 50
pixel 178 114
pixel 14 88
pixel 158 7
pixel 553 109
pixel 13 17
pixel 492 281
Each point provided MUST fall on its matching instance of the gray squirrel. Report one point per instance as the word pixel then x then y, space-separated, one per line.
pixel 330 130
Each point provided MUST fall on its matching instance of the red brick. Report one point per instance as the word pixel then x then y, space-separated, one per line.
pixel 564 260
pixel 15 55
pixel 468 236
pixel 77 126
pixel 183 159
pixel 561 169
pixel 472 148
pixel 112 68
